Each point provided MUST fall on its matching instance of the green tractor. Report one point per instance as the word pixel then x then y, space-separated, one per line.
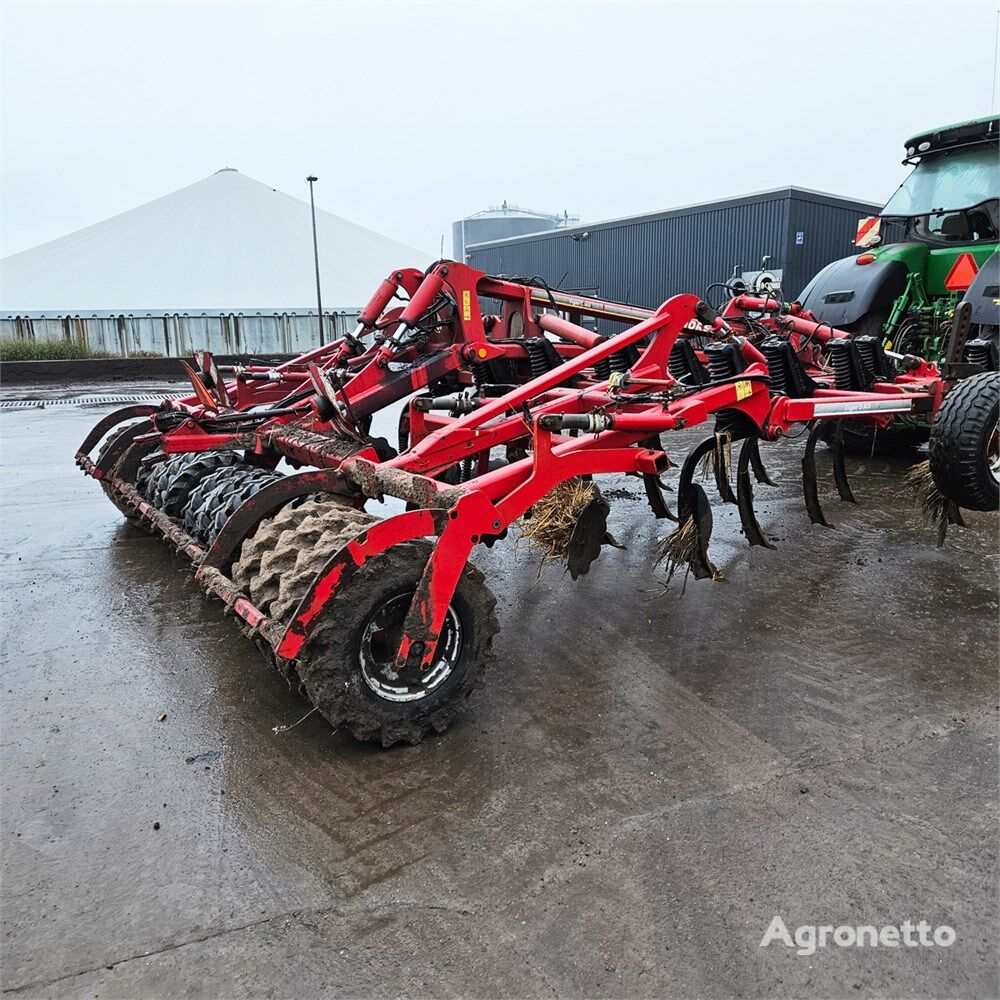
pixel 908 291
pixel 927 284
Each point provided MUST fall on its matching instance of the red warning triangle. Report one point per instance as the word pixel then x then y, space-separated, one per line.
pixel 962 273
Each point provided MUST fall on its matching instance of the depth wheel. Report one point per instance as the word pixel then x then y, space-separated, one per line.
pixel 965 443
pixel 347 667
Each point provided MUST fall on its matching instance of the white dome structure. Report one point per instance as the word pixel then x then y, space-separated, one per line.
pixel 226 243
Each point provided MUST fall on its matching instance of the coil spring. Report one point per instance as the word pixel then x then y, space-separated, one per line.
pixel 537 357
pixel 841 357
pixel 720 364
pixel 620 361
pixel 869 350
pixel 602 369
pixel 480 373
pixel 775 367
pixel 978 352
pixel 675 363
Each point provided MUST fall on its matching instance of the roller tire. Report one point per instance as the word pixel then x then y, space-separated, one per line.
pixel 216 498
pixel 174 489
pixel 959 444
pixel 279 562
pixel 126 508
pixel 236 498
pixel 157 475
pixel 196 511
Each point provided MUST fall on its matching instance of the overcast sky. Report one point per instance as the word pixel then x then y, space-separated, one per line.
pixel 415 114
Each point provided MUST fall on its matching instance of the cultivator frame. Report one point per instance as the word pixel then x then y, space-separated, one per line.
pixel 562 401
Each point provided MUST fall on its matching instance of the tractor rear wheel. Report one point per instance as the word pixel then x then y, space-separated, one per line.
pixel 872 324
pixel 965 443
pixel 896 439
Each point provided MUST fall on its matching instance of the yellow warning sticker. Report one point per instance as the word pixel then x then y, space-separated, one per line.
pixel 466 305
pixel 743 389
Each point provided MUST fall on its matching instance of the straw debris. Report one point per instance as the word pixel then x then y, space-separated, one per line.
pixel 679 548
pixel 935 507
pixel 554 516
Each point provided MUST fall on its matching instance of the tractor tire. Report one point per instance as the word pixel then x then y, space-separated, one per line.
pixel 869 325
pixel 215 499
pixel 964 457
pixel 280 560
pixel 174 489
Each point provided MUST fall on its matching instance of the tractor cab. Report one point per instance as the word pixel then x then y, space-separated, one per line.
pixel 946 220
pixel 952 196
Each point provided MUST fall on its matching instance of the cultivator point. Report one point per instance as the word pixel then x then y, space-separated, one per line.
pixel 262 475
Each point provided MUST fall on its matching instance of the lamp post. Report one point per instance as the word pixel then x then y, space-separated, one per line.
pixel 319 297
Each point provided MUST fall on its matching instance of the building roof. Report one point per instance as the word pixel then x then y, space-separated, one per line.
pixel 807 194
pixel 225 243
pixel 507 211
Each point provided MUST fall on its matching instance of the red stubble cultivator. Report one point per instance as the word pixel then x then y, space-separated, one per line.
pixel 386 623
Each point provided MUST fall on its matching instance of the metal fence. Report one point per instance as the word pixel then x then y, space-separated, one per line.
pixel 176 334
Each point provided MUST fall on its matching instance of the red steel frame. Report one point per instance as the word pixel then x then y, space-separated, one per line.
pixel 620 412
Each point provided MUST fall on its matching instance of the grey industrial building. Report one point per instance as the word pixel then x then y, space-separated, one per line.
pixel 645 259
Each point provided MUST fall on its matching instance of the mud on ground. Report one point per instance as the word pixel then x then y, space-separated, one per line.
pixel 647 781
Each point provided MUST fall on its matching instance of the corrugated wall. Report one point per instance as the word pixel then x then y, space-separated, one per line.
pixel 826 230
pixel 179 334
pixel 646 259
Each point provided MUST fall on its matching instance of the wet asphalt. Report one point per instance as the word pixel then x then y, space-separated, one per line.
pixel 649 777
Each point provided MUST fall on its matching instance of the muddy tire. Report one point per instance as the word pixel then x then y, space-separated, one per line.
pixel 897 439
pixel 126 508
pixel 276 567
pixel 872 324
pixel 280 560
pixel 175 488
pixel 964 459
pixel 161 473
pixel 346 669
pixel 216 498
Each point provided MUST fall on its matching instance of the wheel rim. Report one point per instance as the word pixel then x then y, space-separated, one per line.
pixel 993 453
pixel 380 640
